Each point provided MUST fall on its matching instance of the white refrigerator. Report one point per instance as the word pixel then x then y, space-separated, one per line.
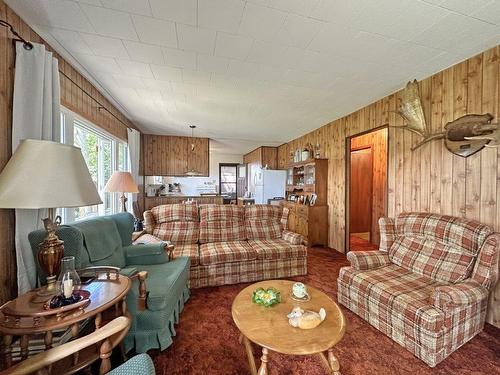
pixel 269 184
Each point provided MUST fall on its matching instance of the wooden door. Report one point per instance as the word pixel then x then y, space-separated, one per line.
pixel 360 190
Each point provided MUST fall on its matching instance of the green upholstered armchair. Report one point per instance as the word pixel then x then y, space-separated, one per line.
pixel 107 241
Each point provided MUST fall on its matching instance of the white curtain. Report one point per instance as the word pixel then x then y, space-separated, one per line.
pixel 35 115
pixel 134 152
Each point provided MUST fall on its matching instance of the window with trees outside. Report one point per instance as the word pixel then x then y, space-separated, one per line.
pixel 103 154
pixel 228 176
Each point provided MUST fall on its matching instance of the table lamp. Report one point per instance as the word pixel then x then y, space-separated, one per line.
pixel 121 182
pixel 45 174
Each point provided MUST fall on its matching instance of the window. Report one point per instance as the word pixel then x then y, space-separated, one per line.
pixel 103 154
pixel 228 176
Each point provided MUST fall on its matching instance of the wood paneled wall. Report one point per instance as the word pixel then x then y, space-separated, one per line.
pixel 377 140
pixel 71 96
pixel 430 179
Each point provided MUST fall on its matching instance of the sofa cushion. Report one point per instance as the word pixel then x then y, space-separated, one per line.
pixel 226 252
pixel 220 223
pixel 178 223
pixel 188 250
pixel 428 257
pixel 392 295
pixel 466 235
pixel 277 249
pixel 263 222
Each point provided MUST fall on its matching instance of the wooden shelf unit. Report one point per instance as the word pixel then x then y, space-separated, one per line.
pixel 303 180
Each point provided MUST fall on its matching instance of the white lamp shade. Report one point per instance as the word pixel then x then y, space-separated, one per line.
pixel 45 174
pixel 121 182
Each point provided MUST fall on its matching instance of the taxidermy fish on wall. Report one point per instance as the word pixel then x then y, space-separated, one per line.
pixel 463 137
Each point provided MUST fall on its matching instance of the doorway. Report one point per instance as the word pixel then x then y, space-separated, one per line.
pixel 366 192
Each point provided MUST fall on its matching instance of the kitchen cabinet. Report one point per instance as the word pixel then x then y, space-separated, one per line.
pixel 258 159
pixel 172 156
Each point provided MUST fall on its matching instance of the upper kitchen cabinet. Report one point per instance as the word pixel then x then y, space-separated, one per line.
pixel 263 156
pixel 174 156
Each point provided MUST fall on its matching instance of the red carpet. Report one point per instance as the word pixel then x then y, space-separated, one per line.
pixel 360 244
pixel 207 340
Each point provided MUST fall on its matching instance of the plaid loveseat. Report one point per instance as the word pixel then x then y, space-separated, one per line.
pixel 427 286
pixel 229 244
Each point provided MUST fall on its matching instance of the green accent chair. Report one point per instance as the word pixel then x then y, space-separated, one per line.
pixel 107 241
pixel 140 364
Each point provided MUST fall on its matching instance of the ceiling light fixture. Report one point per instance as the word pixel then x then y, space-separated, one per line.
pixel 192 172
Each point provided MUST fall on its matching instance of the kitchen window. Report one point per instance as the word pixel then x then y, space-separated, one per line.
pixel 103 154
pixel 228 176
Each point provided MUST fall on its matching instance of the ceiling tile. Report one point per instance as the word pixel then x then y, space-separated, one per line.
pixel 127 81
pixel 110 22
pixel 196 77
pixel 382 17
pixel 196 39
pixel 261 22
pixel 449 32
pixel 71 40
pixel 295 6
pixel 167 73
pixel 180 58
pixel 183 11
pixel 464 6
pixel 297 31
pixel 144 53
pixel 155 31
pixel 98 63
pixel 54 13
pixel 223 15
pixel 91 2
pixel 339 11
pixel 104 46
pixel 155 84
pixel 212 64
pixel 489 13
pixel 266 53
pixel 134 68
pixel 130 6
pixel 332 37
pixel 232 46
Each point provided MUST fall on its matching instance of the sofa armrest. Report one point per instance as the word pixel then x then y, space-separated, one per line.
pixel 486 268
pixel 144 254
pixel 448 297
pixel 292 237
pixel 367 260
pixel 387 233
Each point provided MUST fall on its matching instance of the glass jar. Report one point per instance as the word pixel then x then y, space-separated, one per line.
pixel 68 280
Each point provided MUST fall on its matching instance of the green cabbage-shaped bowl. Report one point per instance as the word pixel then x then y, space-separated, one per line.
pixel 266 297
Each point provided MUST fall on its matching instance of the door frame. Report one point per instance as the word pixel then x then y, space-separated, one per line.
pixel 347 175
pixel 236 165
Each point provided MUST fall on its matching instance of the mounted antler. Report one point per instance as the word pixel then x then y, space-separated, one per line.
pixel 411 110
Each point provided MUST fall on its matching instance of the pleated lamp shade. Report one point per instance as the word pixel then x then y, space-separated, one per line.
pixel 45 174
pixel 121 182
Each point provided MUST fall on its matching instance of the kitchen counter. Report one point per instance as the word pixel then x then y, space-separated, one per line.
pixel 150 202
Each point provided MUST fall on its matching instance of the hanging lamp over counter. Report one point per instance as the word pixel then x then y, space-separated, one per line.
pixel 192 172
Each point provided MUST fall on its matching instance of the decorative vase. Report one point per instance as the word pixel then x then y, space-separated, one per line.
pixel 68 279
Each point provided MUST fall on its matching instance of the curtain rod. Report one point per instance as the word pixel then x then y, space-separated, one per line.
pixel 29 46
pixel 101 106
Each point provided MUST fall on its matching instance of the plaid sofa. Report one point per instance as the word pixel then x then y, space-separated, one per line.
pixel 427 286
pixel 229 244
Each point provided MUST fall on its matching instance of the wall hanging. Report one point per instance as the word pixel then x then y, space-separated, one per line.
pixel 463 136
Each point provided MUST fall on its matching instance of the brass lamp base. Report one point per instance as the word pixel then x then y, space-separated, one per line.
pixel 124 200
pixel 50 253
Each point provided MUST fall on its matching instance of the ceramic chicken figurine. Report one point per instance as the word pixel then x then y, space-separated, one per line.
pixel 306 319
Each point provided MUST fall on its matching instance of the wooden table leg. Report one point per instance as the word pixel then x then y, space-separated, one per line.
pixel 263 363
pixel 331 363
pixel 7 351
pixel 248 349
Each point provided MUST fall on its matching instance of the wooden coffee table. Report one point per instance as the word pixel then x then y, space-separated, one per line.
pixel 268 326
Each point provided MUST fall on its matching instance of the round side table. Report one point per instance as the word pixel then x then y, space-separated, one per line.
pixel 21 317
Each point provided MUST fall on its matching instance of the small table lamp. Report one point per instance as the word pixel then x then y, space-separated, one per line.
pixel 45 174
pixel 121 182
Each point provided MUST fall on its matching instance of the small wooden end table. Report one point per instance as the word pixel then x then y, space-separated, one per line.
pixel 107 301
pixel 268 326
